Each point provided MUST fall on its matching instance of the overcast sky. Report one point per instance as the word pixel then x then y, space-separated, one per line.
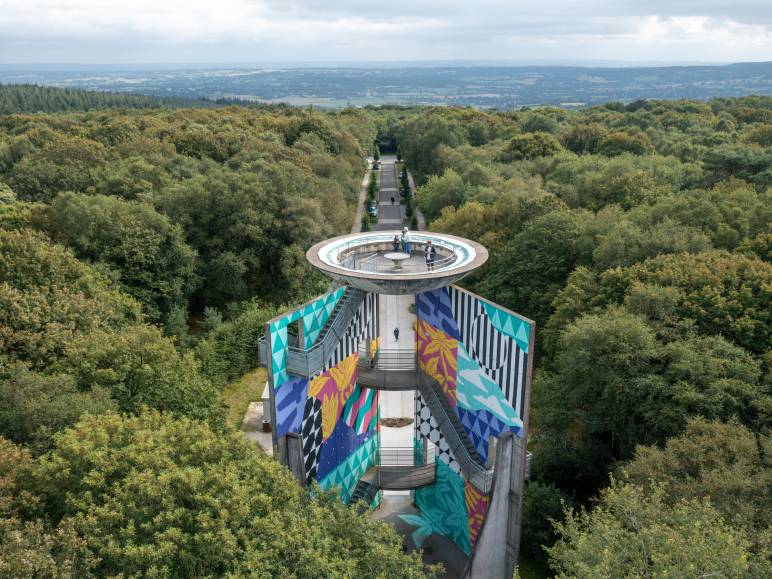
pixel 255 31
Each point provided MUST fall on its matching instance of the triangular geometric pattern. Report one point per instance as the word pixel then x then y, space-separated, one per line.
pixel 335 450
pixel 481 425
pixel 509 325
pixel 434 307
pixel 476 391
pixel 316 314
pixel 347 473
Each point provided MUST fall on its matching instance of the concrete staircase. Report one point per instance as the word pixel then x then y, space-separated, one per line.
pixel 302 362
pixel 455 434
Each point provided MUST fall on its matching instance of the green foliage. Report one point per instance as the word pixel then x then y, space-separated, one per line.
pixel 7 196
pixel 62 164
pixel 48 299
pixel 527 272
pixel 420 137
pixel 543 504
pixel 29 98
pixel 36 406
pixel 229 349
pixel 236 186
pixel 631 533
pixel 583 139
pixel 619 142
pixel 722 293
pixel 642 392
pixel 32 548
pixel 723 462
pixel 140 367
pixel 447 190
pixel 531 146
pixel 147 251
pixel 154 496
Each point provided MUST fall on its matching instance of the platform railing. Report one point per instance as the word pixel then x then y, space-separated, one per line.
pixel 385 266
pixel 401 456
pixel 389 360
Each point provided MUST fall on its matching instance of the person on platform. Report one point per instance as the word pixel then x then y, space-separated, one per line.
pixel 405 240
pixel 430 253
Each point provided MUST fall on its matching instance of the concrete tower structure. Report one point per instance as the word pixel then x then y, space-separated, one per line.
pixel 392 338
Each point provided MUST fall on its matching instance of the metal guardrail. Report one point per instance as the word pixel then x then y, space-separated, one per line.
pixel 308 362
pixel 376 266
pixel 477 474
pixel 398 478
pixel 401 456
pixel 389 360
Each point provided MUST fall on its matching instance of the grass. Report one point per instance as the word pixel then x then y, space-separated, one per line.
pixel 238 394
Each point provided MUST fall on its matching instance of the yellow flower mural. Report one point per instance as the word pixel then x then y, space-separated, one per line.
pixel 332 388
pixel 438 357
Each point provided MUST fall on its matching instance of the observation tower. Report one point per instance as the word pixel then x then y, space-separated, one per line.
pixel 397 380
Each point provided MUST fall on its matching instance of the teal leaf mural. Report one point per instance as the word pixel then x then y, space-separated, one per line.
pixel 443 507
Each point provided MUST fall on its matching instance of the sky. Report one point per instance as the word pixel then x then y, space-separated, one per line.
pixel 262 31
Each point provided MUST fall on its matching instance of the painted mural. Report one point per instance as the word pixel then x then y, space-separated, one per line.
pixel 478 354
pixel 443 510
pixel 337 420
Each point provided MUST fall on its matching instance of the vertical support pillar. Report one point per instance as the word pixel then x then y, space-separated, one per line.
pixel 294 450
pixel 301 334
pixel 497 549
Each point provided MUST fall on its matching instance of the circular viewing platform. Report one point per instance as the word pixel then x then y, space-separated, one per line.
pixel 370 262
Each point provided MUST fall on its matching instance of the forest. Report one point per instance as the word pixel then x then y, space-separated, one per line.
pixel 142 251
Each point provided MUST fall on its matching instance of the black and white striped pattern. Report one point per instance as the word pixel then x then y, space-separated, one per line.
pixel 499 355
pixel 363 328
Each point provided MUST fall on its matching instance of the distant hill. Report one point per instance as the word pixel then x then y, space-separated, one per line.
pixel 31 98
pixel 483 86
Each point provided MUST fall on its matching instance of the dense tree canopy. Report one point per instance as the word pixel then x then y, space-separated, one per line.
pixel 153 496
pixel 637 237
pixel 142 252
pixel 635 534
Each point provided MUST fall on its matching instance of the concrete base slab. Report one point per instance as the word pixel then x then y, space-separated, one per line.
pixel 252 427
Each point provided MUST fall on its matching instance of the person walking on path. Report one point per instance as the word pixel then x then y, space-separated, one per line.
pixel 430 252
pixel 392 200
pixel 396 334
pixel 405 239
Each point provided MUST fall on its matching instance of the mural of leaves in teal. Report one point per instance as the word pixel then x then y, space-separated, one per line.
pixel 443 509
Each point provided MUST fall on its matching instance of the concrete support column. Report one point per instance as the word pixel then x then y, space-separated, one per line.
pixel 497 549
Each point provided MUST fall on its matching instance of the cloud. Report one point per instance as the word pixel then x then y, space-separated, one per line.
pixel 263 30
